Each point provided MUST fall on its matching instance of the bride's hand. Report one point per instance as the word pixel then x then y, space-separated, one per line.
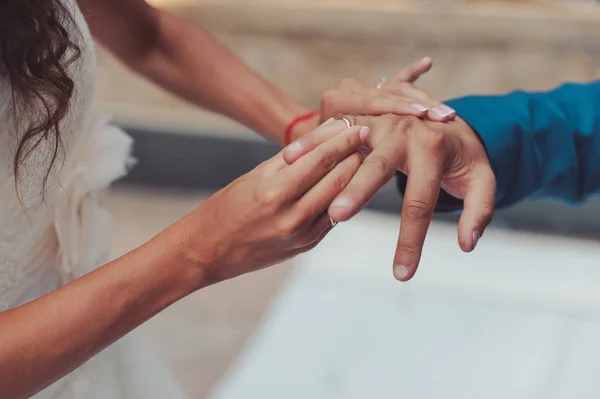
pixel 395 96
pixel 276 211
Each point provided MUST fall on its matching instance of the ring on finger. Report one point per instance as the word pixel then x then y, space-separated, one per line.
pixel 381 82
pixel 347 121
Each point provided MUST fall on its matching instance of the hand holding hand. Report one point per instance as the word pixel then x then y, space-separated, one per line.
pixel 277 210
pixel 435 156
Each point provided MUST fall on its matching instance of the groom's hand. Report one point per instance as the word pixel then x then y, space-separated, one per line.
pixel 434 156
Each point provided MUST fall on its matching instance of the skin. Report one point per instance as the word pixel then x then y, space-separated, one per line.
pixel 266 216
pixel 435 156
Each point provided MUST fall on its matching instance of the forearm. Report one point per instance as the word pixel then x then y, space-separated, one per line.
pixel 191 64
pixel 44 340
pixel 540 144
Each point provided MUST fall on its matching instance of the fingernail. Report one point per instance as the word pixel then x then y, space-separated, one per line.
pixel 419 107
pixel 328 121
pixel 476 237
pixel 441 113
pixel 447 109
pixel 295 147
pixel 400 272
pixel 364 152
pixel 364 133
pixel 426 59
pixel 341 202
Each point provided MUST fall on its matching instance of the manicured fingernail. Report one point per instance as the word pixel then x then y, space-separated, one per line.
pixel 328 121
pixel 364 133
pixel 364 152
pixel 447 109
pixel 419 107
pixel 295 147
pixel 476 237
pixel 341 202
pixel 400 272
pixel 441 113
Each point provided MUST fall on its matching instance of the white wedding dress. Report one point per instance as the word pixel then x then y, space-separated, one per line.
pixel 47 242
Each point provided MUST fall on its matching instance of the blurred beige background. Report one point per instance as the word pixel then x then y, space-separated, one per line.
pixel 306 47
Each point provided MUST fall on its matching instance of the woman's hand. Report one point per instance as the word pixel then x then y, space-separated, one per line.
pixel 435 156
pixel 277 210
pixel 396 96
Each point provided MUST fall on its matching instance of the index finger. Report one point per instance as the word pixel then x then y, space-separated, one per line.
pixel 310 169
pixel 425 171
pixel 414 72
pixel 312 140
pixel 376 170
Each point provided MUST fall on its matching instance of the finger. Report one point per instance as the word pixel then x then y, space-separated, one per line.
pixel 381 102
pixel 312 140
pixel 413 72
pixel 310 169
pixel 478 207
pixel 438 112
pixel 271 166
pixel 376 170
pixel 321 228
pixel 441 113
pixel 425 169
pixel 409 91
pixel 316 231
pixel 377 102
pixel 318 198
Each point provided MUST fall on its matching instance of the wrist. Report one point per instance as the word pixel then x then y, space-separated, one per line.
pixel 274 116
pixel 300 125
pixel 182 258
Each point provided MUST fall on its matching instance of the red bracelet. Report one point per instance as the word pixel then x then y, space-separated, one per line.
pixel 287 136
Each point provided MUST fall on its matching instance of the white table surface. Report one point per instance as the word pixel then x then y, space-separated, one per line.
pixel 519 318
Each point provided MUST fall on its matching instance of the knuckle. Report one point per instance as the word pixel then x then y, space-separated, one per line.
pixel 309 238
pixel 416 210
pixel 379 163
pixel 327 160
pixel 486 213
pixel 411 250
pixel 270 196
pixel 340 182
pixel 435 142
pixel 403 124
pixel 289 225
pixel 351 140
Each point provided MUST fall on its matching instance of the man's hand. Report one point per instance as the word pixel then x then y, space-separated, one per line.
pixel 434 156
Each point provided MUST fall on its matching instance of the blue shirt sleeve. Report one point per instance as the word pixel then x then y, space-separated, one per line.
pixel 540 144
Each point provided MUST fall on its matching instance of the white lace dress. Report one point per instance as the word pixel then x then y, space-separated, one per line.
pixel 47 242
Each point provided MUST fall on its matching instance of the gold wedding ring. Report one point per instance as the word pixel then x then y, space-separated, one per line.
pixel 382 81
pixel 347 121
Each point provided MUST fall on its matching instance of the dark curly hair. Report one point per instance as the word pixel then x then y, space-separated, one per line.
pixel 37 46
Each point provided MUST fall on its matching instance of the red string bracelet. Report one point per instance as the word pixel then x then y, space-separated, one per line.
pixel 287 136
